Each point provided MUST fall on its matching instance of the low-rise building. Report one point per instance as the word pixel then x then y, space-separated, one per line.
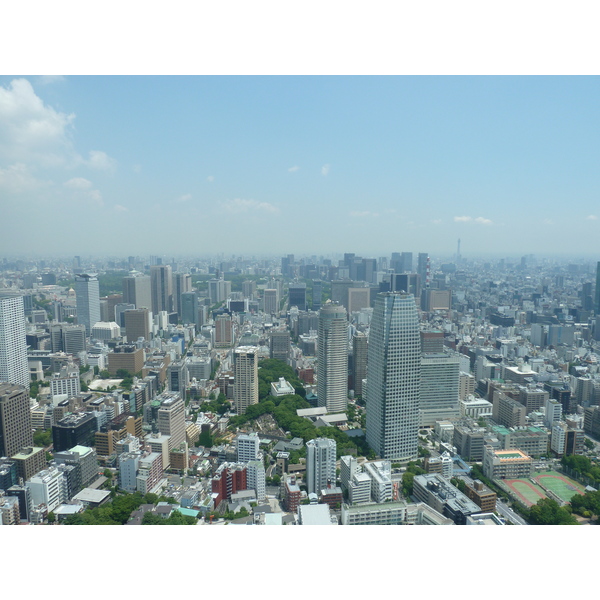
pixel 506 464
pixel 443 497
pixel 481 495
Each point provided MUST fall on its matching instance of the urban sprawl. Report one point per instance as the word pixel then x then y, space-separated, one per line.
pixel 303 390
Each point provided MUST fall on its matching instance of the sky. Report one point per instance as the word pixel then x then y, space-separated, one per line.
pixel 255 165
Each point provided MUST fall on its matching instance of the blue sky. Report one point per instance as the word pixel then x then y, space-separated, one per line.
pixel 285 164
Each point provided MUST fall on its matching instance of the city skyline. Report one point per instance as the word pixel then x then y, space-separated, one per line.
pixel 169 165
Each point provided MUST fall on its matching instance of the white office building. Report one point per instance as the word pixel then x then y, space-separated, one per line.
pixel 255 478
pixel 87 292
pixel 320 464
pixel 47 487
pixel 247 447
pixel 13 347
pixel 380 473
pixel 393 377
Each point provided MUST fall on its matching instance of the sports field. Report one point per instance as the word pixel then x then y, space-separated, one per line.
pixel 527 492
pixel 564 487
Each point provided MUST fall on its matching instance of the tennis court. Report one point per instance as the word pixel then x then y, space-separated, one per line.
pixel 564 487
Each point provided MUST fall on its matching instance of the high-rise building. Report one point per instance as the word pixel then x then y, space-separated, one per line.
pixel 177 378
pixel 218 290
pixel 171 420
pixel 182 283
pixel 245 371
pixel 73 338
pixel 13 346
pixel 189 309
pixel 279 344
pixel 87 293
pixel 393 377
pixel 439 389
pixel 358 298
pixel 317 294
pixel 137 324
pixel 423 268
pixel 271 302
pixel 247 446
pixel 256 480
pixel 15 419
pixel 137 290
pixel 359 362
pixel 297 295
pixel 162 288
pixel 320 464
pixel 332 358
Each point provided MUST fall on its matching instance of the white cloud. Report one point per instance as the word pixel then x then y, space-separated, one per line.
pixel 50 79
pixel 184 198
pixel 17 179
pixel 548 222
pixel 240 205
pixel 120 208
pixel 325 170
pixel 294 169
pixel 83 192
pixel 79 183
pixel 478 220
pixel 591 218
pixel 32 132
pixel 363 213
pixel 210 179
pixel 437 221
pixel 37 135
pixel 101 161
pixel 137 168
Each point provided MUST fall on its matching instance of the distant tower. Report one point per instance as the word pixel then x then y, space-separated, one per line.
pixel 458 250
pixel 393 377
pixel 13 347
pixel 162 288
pixel 87 293
pixel 332 358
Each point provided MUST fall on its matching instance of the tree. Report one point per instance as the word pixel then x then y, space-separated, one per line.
pixel 548 512
pixel 51 517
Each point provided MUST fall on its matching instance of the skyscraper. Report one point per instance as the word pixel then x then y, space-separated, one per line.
pixel 245 372
pixel 270 302
pixel 182 283
pixel 15 419
pixel 137 324
pixel 87 292
pixel 189 309
pixel 393 377
pixel 162 288
pixel 137 290
pixel 13 347
pixel 320 464
pixel 332 358
pixel 439 388
pixel 359 362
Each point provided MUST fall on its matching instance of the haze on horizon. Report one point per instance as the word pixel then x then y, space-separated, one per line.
pixel 205 165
